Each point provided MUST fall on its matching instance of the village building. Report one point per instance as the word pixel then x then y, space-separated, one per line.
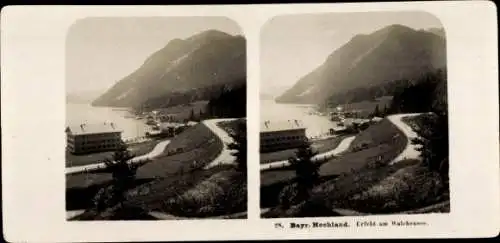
pixel 166 129
pixel 340 130
pixel 281 135
pixel 93 138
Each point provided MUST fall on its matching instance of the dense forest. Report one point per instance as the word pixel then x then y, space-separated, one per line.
pixel 185 97
pixel 428 95
pixel 367 93
pixel 231 102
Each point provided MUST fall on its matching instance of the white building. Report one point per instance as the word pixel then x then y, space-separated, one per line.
pixel 281 135
pixel 91 138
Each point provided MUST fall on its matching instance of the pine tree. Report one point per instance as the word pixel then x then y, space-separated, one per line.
pixel 386 110
pixel 240 146
pixel 433 141
pixel 200 115
pixel 191 116
pixel 306 171
pixel 123 175
pixel 376 112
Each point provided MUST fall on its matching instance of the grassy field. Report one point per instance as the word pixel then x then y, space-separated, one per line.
pixel 379 143
pixel 190 150
pixel 78 160
pixel 319 146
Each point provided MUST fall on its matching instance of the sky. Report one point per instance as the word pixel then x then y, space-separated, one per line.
pixel 294 45
pixel 101 51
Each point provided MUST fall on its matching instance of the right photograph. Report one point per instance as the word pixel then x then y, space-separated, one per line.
pixel 354 115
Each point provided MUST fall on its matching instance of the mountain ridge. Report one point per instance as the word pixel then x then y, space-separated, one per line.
pixel 208 58
pixel 390 53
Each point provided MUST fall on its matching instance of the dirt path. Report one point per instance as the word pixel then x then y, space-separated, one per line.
pixel 225 156
pixel 410 151
pixel 157 150
pixel 343 146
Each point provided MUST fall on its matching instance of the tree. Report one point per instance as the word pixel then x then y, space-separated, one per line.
pixel 376 112
pixel 306 172
pixel 386 110
pixel 421 95
pixel 200 115
pixel 230 102
pixel 123 175
pixel 191 116
pixel 240 146
pixel 433 140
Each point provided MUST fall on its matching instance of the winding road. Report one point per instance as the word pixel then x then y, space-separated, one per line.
pixel 343 146
pixel 225 156
pixel 157 150
pixel 410 151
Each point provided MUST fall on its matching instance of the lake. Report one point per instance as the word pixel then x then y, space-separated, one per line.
pixel 316 124
pixel 77 114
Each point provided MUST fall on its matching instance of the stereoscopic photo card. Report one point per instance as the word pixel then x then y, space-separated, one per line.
pixel 250 122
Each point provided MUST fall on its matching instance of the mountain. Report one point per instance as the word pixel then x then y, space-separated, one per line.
pixel 184 70
pixel 391 53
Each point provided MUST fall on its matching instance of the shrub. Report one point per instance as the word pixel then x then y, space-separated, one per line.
pixel 222 193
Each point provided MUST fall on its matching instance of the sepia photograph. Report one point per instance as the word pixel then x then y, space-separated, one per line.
pixel 142 120
pixel 354 115
pixel 155 119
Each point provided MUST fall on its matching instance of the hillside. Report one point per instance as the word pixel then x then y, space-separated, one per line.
pixel 392 53
pixel 183 71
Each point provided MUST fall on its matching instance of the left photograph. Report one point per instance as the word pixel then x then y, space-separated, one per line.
pixel 155 119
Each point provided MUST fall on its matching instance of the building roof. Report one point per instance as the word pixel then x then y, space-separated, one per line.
pixel 166 125
pixel 94 128
pixel 273 126
pixel 349 121
pixel 339 128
